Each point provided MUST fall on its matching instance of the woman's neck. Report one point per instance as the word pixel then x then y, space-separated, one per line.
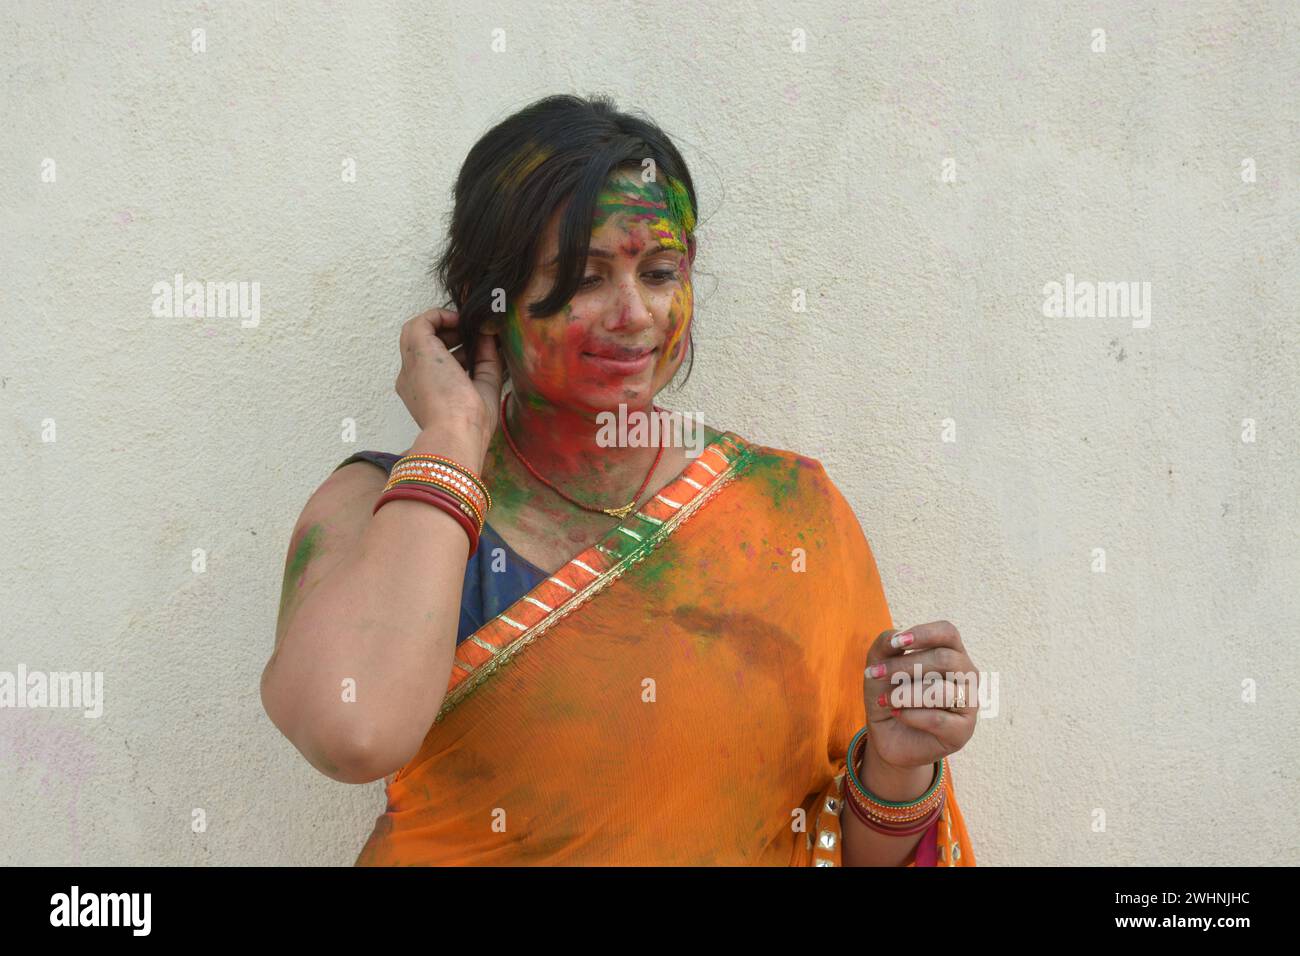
pixel 571 450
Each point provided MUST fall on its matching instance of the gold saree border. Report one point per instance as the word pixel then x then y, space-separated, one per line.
pixel 501 639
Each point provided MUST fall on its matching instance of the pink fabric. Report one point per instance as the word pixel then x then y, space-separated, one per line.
pixel 927 851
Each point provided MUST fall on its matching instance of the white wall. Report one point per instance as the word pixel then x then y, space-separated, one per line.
pixel 819 170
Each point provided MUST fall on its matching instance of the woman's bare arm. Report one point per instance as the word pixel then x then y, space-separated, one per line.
pixel 368 619
pixel 370 606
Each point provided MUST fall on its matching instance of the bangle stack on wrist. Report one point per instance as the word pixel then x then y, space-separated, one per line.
pixel 888 816
pixel 443 483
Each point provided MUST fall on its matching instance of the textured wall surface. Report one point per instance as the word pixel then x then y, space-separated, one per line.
pixel 921 171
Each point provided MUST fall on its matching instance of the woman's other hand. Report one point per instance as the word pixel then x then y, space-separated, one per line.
pixel 914 724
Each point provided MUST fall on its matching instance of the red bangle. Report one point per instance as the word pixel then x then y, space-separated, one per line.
pixel 449 503
pixel 436 498
pixel 475 509
pixel 919 827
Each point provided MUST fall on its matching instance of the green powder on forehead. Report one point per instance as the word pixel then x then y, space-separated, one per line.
pixel 613 200
pixel 679 205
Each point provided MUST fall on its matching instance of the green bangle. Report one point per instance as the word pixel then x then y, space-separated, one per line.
pixel 853 776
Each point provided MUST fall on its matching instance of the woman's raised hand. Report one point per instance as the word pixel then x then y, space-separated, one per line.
pixel 442 390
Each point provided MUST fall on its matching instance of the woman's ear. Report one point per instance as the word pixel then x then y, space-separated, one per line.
pixel 690 250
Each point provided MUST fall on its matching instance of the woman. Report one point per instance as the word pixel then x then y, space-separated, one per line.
pixel 649 656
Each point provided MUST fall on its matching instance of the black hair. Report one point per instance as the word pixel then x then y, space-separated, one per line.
pixel 560 149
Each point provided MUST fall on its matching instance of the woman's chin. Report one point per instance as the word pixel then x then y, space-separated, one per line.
pixel 629 393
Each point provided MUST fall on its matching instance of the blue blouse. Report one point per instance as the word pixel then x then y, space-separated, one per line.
pixel 495 577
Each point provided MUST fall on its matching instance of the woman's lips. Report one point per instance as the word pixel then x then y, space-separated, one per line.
pixel 621 366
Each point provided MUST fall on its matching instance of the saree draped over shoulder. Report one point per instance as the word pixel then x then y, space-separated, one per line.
pixel 682 693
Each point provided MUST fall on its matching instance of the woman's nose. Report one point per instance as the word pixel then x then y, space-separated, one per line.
pixel 631 312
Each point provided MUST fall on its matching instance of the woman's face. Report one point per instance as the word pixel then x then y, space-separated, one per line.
pixel 622 336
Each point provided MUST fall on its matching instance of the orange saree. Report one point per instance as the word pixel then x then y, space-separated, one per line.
pixel 680 694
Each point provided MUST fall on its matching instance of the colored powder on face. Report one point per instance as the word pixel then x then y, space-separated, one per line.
pixel 614 204
pixel 514 335
pixel 667 213
pixel 680 314
pixel 679 205
pixel 625 200
pixel 626 195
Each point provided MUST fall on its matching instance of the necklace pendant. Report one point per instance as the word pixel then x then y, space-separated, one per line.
pixel 622 512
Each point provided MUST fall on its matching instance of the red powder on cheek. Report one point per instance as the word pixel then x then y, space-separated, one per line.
pixel 575 335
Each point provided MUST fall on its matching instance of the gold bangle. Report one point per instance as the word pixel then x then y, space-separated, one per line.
pixel 445 467
pixel 465 488
pixel 419 456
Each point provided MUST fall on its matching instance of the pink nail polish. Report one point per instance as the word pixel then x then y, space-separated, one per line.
pixel 882 700
pixel 895 711
pixel 901 640
pixel 876 671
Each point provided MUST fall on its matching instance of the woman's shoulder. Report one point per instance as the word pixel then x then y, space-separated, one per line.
pixel 791 495
pixel 792 468
pixel 784 479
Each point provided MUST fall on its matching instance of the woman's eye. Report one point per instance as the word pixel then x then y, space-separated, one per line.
pixel 657 275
